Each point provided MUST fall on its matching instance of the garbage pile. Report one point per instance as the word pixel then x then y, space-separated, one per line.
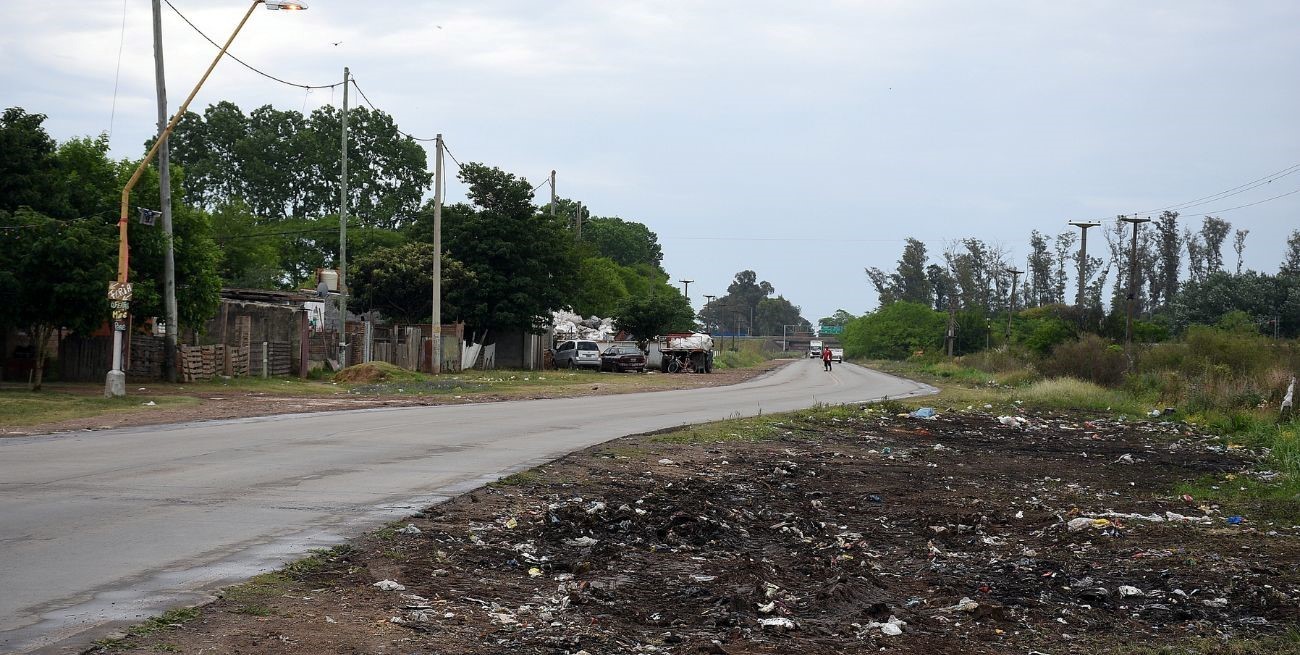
pixel 941 531
pixel 574 326
pixel 696 341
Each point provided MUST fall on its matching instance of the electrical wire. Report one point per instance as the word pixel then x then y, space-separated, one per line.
pixel 244 63
pixel 1253 184
pixel 453 157
pixel 373 108
pixel 112 114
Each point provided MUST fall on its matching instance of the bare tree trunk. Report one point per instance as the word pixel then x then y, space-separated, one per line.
pixel 42 335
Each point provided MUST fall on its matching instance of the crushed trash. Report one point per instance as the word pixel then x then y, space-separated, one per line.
pixel 924 412
pixel 390 585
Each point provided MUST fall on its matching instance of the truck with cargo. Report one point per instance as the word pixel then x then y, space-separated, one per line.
pixel 686 353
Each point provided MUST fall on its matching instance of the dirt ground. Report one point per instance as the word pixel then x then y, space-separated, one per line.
pixel 841 530
pixel 217 404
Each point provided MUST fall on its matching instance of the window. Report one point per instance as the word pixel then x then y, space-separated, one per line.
pixel 587 345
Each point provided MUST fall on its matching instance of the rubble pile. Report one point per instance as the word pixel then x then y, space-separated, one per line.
pixel 843 532
pixel 569 325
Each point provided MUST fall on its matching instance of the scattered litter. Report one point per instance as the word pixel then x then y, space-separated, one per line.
pixel 777 623
pixel 924 412
pixel 409 529
pixel 582 541
pixel 1235 520
pixel 150 404
pixel 389 585
pixel 1125 591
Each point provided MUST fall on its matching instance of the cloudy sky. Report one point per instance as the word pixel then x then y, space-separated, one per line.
pixel 804 141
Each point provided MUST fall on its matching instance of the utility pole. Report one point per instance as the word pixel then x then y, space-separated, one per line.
pixel 436 324
pixel 1083 256
pixel 708 300
pixel 1015 276
pixel 952 325
pixel 165 200
pixel 577 224
pixel 1132 281
pixel 552 193
pixel 686 289
pixel 343 232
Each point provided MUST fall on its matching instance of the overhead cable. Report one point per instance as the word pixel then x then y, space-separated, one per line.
pixel 244 63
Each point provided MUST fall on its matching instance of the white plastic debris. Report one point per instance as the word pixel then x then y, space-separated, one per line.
pixel 1216 603
pixel 964 605
pixel 1125 591
pixel 389 585
pixel 582 541
pixel 667 462
pixel 409 529
pixel 150 404
pixel 777 623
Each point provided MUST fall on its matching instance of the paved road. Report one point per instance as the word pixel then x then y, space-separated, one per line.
pixel 104 527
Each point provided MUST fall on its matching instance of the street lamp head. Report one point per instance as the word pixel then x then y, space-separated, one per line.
pixel 285 5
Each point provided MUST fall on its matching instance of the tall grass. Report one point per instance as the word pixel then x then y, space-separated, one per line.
pixel 1080 394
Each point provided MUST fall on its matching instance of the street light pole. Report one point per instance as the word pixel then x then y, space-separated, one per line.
pixel 1015 275
pixel 120 289
pixel 708 300
pixel 686 288
pixel 343 230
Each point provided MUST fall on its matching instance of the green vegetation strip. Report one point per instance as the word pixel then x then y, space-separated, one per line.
pixel 21 408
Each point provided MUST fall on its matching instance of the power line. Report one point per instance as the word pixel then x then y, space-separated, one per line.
pixel 373 108
pixel 244 63
pixel 448 151
pixel 112 114
pixel 1253 184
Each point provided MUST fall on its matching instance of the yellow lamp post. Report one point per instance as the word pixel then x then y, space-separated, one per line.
pixel 119 290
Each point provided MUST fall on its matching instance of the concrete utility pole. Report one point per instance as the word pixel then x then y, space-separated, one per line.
pixel 1083 256
pixel 165 200
pixel 686 289
pixel 437 256
pixel 708 300
pixel 577 224
pixel 1132 280
pixel 1015 275
pixel 552 193
pixel 343 232
pixel 951 338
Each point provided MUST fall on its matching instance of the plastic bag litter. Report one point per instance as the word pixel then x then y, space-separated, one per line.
pixel 409 529
pixel 924 412
pixel 695 341
pixel 389 585
pixel 1126 591
pixel 777 623
pixel 1012 421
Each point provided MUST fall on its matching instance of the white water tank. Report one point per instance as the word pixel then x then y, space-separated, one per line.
pixel 330 277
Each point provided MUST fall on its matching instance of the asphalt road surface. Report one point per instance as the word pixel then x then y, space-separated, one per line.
pixel 101 528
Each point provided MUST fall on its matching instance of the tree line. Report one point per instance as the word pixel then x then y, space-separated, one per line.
pixel 255 205
pixel 1180 278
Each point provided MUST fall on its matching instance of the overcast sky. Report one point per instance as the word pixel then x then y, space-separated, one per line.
pixel 804 141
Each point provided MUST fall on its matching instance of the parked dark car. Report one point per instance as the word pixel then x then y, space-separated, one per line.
pixel 622 358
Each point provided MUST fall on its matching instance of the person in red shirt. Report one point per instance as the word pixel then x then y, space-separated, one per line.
pixel 826 357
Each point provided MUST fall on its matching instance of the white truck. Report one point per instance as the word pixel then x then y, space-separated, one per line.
pixel 815 349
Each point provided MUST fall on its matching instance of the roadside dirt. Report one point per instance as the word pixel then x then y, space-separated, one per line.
pixel 840 531
pixel 217 404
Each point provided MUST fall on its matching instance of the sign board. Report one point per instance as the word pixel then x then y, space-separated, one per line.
pixel 119 326
pixel 315 315
pixel 830 329
pixel 119 290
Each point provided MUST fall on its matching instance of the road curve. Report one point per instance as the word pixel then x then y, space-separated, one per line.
pixel 97 528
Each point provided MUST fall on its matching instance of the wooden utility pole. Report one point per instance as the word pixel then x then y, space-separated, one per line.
pixel 1132 281
pixel 1083 256
pixel 343 231
pixel 436 323
pixel 1015 275
pixel 577 224
pixel 165 201
pixel 552 193
pixel 952 325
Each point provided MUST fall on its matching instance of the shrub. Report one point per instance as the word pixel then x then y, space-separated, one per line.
pixel 895 331
pixel 1091 358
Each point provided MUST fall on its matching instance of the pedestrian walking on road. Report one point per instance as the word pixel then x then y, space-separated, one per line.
pixel 826 357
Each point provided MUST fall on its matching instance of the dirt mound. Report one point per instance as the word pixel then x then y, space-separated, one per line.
pixel 369 372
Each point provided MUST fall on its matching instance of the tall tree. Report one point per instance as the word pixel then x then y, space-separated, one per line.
pixel 398 282
pixel 1291 260
pixel 909 281
pixel 1170 252
pixel 772 314
pixel 943 284
pixel 1064 246
pixel 1039 289
pixel 1196 256
pixel 1239 246
pixel 27 162
pixel 659 312
pixel 1214 231
pixel 626 242
pixel 519 258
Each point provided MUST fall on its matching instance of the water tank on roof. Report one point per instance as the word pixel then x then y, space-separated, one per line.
pixel 330 277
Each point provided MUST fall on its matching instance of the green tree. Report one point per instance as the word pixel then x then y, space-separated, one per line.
pixel 60 270
pixel 250 257
pixel 626 242
pixel 522 260
pixel 27 162
pixel 1261 296
pixel 398 282
pixel 839 318
pixel 662 311
pixel 1291 259
pixel 600 287
pixel 909 282
pixel 895 331
pixel 772 314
